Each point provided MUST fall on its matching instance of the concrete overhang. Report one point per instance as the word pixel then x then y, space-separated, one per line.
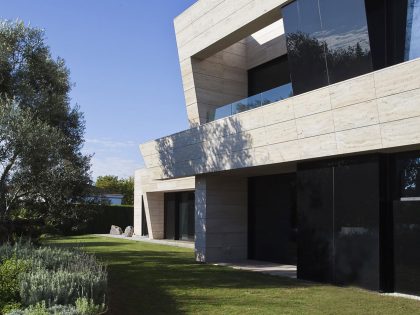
pixel 373 112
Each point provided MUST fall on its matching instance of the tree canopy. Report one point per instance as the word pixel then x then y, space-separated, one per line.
pixel 42 166
pixel 113 185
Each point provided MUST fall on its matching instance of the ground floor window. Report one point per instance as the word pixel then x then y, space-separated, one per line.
pixel 179 215
pixel 144 229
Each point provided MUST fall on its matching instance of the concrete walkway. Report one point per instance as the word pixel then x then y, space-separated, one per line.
pixel 249 265
pixel 138 238
pixel 264 267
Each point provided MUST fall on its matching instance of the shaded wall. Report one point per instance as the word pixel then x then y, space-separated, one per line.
pixel 272 218
pixel 221 218
pixel 339 222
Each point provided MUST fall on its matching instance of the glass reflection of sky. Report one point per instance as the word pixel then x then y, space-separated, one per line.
pixel 412 46
pixel 343 30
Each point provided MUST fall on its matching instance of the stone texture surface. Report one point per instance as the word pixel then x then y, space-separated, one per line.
pixel 312 125
pixel 221 226
pixel 150 191
pixel 115 230
pixel 129 231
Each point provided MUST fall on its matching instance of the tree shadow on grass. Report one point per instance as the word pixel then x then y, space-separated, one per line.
pixel 152 279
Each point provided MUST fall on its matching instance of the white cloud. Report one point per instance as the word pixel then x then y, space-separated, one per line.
pixel 113 166
pixel 112 157
pixel 108 143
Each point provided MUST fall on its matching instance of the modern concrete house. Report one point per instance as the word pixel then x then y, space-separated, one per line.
pixel 304 140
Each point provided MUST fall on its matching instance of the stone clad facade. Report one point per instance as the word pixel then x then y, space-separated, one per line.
pixel 282 165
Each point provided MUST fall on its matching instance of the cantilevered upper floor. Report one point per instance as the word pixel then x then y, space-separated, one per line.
pixel 278 81
pixel 242 54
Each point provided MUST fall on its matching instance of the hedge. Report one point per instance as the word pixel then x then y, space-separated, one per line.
pixel 104 216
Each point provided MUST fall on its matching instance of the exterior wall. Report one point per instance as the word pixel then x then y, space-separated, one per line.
pixel 376 111
pixel 259 53
pixel 152 192
pixel 154 208
pixel 212 50
pixel 137 203
pixel 210 26
pixel 214 81
pixel 221 220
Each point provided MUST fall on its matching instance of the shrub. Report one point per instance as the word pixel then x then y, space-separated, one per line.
pixel 10 271
pixel 42 309
pixel 61 286
pixel 51 275
pixel 88 307
pixel 83 307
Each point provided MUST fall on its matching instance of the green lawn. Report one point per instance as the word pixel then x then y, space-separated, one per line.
pixel 149 279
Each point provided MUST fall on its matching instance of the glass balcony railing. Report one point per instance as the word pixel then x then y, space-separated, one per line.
pixel 274 95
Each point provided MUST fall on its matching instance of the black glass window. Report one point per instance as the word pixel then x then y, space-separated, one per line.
pixel 170 216
pixel 306 53
pixel 346 38
pixel 315 223
pixel 356 223
pixel 406 210
pixel 144 229
pixel 179 215
pixel 338 222
pixel 387 20
pixel 327 42
pixel 412 44
pixel 408 174
pixel 272 218
pixel 268 75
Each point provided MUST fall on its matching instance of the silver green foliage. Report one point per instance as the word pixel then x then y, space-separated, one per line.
pixel 70 281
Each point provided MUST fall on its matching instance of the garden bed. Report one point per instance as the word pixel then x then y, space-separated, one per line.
pixel 48 280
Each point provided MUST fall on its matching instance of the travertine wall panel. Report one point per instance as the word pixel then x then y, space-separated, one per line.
pixel 221 226
pixel 360 89
pixel 397 79
pixel 359 139
pixel 401 132
pixel 314 125
pixel 399 106
pixel 258 54
pixel 215 53
pixel 224 25
pixel 359 115
pixel 137 204
pixel 154 210
pixel 215 81
pixel 299 128
pixel 152 193
pixel 312 102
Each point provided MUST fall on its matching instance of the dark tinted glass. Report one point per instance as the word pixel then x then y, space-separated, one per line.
pixel 387 31
pixel 305 52
pixel 272 218
pixel 186 216
pixel 327 42
pixel 412 47
pixel 315 223
pixel 408 174
pixel 268 75
pixel 179 215
pixel 407 244
pixel 338 222
pixel 406 210
pixel 346 38
pixel 356 223
pixel 144 229
pixel 170 215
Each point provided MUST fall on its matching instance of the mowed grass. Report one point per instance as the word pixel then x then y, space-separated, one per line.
pixel 150 279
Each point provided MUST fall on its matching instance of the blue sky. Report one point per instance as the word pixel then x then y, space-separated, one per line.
pixel 123 60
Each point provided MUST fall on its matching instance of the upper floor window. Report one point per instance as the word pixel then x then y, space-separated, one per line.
pixel 327 42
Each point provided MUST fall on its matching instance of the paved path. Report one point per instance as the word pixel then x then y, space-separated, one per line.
pixel 137 238
pixel 264 267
